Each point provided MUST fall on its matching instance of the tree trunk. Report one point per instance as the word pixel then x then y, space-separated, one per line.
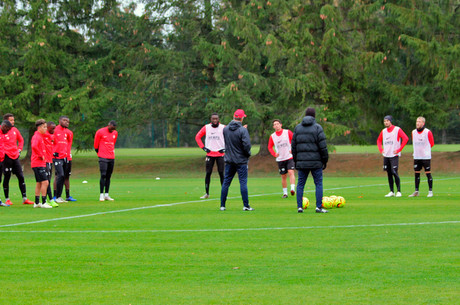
pixel 263 140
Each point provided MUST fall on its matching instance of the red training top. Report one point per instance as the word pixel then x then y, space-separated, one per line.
pixel 13 143
pixel 104 141
pixel 49 143
pixel 271 144
pixel 401 135
pixel 70 141
pixel 2 147
pixel 38 158
pixel 198 140
pixel 61 142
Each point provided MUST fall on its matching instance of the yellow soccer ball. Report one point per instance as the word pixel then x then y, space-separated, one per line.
pixel 327 204
pixel 340 202
pixel 305 202
pixel 333 199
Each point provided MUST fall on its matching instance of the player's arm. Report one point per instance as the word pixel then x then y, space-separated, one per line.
pixel 199 135
pixel 430 138
pixel 20 140
pixel 270 147
pixel 97 140
pixel 404 139
pixel 379 142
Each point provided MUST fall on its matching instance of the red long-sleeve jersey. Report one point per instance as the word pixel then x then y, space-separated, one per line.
pixel 13 143
pixel 61 142
pixel 49 144
pixel 198 140
pixel 69 143
pixel 104 141
pixel 401 135
pixel 38 158
pixel 2 147
pixel 271 144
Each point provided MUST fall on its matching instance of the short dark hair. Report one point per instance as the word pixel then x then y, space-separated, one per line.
pixel 310 112
pixel 6 116
pixel 7 123
pixel 63 117
pixel 214 113
pixel 39 122
pixel 50 123
pixel 113 123
pixel 276 120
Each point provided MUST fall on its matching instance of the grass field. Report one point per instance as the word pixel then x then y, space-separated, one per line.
pixel 158 243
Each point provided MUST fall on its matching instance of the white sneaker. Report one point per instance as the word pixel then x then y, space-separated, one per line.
pixel 222 208
pixel 107 197
pixel 414 194
pixel 390 194
pixel 60 200
pixel 102 198
pixel 205 196
pixel 430 194
pixel 46 206
pixel 398 194
pixel 39 205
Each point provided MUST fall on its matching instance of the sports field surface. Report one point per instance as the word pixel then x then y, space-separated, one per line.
pixel 158 243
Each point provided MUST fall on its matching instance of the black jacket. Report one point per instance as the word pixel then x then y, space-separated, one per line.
pixel 309 148
pixel 237 143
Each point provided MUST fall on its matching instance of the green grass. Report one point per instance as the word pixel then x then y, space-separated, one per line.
pixel 376 250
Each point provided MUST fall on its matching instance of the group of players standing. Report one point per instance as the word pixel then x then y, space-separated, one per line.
pixel 50 145
pixel 306 151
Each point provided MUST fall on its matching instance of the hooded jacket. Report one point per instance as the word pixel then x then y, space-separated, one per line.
pixel 309 149
pixel 237 143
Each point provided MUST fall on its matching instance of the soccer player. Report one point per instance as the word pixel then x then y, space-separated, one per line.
pixel 215 149
pixel 104 145
pixel 13 143
pixel 281 140
pixel 60 154
pixel 38 164
pixel 390 143
pixel 68 165
pixel 309 150
pixel 237 153
pixel 422 140
pixel 48 138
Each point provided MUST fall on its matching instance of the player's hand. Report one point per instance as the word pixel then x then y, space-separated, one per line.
pixel 207 150
pixel 245 126
pixel 56 154
pixel 97 150
pixel 222 151
pixel 324 166
pixel 277 155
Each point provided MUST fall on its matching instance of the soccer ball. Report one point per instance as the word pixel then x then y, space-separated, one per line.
pixel 340 202
pixel 333 199
pixel 305 202
pixel 327 204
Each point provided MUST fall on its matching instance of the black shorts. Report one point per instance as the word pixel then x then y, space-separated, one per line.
pixel 67 168
pixel 419 164
pixel 12 165
pixel 286 165
pixel 210 164
pixel 40 174
pixel 391 163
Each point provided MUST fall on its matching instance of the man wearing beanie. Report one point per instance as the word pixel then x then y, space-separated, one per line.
pixel 422 140
pixel 391 142
pixel 309 151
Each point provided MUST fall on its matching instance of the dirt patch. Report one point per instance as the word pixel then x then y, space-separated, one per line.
pixel 366 164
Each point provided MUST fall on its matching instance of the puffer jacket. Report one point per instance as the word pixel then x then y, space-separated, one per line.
pixel 309 148
pixel 237 143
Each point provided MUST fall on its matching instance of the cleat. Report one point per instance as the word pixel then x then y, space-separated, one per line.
pixel 37 205
pixel 299 210
pixel 248 208
pixel 398 194
pixel 45 206
pixel 108 198
pixel 8 202
pixel 414 194
pixel 60 200
pixel 222 208
pixel 53 203
pixel 430 194
pixel 102 198
pixel 285 196
pixel 321 210
pixel 70 198
pixel 292 192
pixel 4 204
pixel 205 196
pixel 390 194
pixel 27 201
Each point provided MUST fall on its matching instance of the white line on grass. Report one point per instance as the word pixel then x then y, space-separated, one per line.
pixel 236 229
pixel 173 204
